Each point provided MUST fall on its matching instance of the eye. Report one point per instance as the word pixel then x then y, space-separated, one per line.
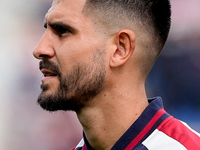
pixel 60 31
pixel 59 28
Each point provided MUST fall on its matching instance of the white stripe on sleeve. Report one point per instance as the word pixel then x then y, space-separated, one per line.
pixel 160 141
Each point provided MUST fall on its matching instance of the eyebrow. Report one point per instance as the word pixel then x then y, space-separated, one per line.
pixel 60 25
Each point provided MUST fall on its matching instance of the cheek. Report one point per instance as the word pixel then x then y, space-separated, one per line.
pixel 66 56
pixel 76 49
pixel 70 55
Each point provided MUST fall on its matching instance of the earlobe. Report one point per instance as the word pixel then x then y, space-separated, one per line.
pixel 125 45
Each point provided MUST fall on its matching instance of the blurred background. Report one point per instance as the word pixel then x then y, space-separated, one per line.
pixel 25 126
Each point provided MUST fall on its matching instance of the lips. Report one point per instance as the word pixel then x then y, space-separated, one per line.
pixel 49 69
pixel 48 73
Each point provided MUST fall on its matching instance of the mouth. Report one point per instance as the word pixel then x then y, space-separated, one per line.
pixel 48 73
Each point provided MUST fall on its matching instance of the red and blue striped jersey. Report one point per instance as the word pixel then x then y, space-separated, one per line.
pixel 155 129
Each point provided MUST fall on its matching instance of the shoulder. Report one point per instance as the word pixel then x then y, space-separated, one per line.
pixel 173 135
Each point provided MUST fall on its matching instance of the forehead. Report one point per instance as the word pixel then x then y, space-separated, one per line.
pixel 69 4
pixel 69 11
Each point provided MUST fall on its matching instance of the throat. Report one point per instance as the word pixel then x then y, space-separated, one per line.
pixel 102 131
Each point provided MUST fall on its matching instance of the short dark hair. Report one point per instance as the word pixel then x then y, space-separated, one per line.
pixel 153 17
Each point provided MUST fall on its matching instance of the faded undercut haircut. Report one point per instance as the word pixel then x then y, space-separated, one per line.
pixel 151 19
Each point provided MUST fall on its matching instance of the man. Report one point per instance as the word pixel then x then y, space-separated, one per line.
pixel 95 56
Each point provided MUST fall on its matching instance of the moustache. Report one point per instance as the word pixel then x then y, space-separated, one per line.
pixel 50 65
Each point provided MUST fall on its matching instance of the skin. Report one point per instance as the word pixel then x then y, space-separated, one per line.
pixel 122 100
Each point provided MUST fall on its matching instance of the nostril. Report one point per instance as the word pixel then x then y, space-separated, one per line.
pixel 43 51
pixel 39 56
pixel 43 56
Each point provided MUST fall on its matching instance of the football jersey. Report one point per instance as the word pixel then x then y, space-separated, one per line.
pixel 155 129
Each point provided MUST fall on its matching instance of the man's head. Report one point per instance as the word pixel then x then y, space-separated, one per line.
pixel 86 40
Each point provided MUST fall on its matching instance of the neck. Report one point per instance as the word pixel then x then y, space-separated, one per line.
pixel 110 114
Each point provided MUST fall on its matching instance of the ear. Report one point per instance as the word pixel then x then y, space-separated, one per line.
pixel 125 45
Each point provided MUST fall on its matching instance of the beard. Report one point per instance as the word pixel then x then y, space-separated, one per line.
pixel 77 88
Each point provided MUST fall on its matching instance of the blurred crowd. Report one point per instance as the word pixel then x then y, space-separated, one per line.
pixel 25 126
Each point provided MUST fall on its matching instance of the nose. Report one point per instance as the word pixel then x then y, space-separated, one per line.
pixel 44 49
